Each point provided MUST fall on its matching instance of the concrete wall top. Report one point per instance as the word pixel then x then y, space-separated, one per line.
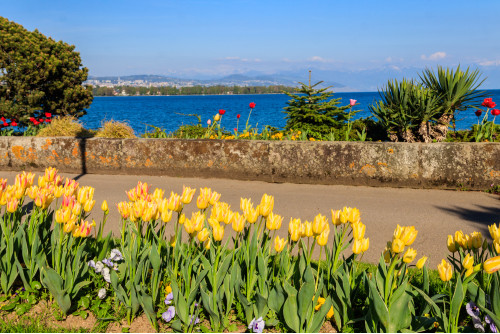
pixel 420 165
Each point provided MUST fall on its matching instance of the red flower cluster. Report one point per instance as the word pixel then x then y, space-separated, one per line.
pixel 222 112
pixel 495 112
pixel 252 105
pixel 6 124
pixel 488 103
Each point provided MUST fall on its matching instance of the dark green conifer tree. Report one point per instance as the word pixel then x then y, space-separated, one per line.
pixel 315 110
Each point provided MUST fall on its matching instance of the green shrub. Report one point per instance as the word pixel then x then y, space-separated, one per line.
pixel 422 111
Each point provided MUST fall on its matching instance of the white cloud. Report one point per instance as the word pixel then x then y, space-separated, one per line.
pixel 490 62
pixel 232 58
pixel 318 59
pixel 435 56
pixel 388 59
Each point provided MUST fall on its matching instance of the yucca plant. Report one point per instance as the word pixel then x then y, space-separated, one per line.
pixel 422 111
pixel 457 91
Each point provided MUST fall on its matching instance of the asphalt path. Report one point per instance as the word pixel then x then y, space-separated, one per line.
pixel 434 213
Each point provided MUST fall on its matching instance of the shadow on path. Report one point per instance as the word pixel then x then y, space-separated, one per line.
pixel 484 215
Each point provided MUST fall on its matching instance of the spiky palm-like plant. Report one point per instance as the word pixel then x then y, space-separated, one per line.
pixel 457 91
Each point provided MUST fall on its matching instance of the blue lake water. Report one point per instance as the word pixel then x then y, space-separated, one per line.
pixel 164 111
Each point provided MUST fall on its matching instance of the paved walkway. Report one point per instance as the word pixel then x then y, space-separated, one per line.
pixel 435 213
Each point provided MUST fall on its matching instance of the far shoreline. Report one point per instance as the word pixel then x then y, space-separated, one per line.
pixel 218 94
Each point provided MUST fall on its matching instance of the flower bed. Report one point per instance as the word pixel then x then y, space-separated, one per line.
pixel 224 268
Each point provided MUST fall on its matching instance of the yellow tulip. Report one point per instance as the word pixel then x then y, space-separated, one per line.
pixel 421 262
pixel 357 246
pixel 228 217
pixel 187 194
pixel 182 218
pixel 238 222
pixel 158 193
pixel 104 206
pixel 58 191
pixel 174 202
pixel 477 240
pixel 358 230
pixel 124 209
pixel 365 244
pixel 321 301
pixel 189 226
pixel 266 205
pixel 198 220
pixel 251 215
pixel 409 255
pixel 42 182
pixel 460 239
pixel 202 201
pixel 207 244
pixel 353 215
pixel 217 117
pixel 409 235
pixel 468 262
pixel 59 216
pixel 319 224
pixel 445 271
pixel 322 239
pixel 172 241
pixel 50 173
pixel 491 265
pixel 132 195
pixel 203 235
pixel 306 229
pixel 12 205
pixel 279 244
pixel 494 232
pixel 496 245
pixel 69 226
pixel 214 197
pixel 166 216
pixel 397 246
pixel 89 205
pixel 218 232
pixel 451 244
pixel 330 313
pixel 336 217
pixel 273 222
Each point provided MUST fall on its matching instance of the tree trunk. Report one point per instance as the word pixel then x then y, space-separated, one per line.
pixel 424 132
pixel 393 137
pixel 407 136
pixel 441 129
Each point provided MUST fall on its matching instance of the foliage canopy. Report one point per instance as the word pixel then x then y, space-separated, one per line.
pixel 39 75
pixel 315 111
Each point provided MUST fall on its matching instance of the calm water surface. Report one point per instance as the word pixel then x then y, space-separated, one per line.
pixel 169 112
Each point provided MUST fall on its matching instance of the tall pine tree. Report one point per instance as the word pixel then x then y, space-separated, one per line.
pixel 315 110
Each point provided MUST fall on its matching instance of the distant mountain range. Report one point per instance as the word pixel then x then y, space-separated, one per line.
pixel 368 80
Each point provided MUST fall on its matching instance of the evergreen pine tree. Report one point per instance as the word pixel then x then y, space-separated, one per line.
pixel 315 111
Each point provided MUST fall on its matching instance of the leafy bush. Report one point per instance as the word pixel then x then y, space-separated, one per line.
pixel 67 126
pixel 114 129
pixel 315 111
pixel 39 76
pixel 413 111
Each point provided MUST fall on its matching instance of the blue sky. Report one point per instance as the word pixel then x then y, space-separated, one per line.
pixel 213 38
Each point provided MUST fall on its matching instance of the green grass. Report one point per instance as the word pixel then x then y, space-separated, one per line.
pixel 35 327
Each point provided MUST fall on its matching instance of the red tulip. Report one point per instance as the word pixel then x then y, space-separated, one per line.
pixel 352 102
pixel 252 105
pixel 13 123
pixel 235 129
pixel 5 124
pixel 47 121
pixel 478 113
pixel 495 112
pixel 48 115
pixel 488 103
pixel 35 122
pixel 2 119
pixel 32 119
pixel 238 116
pixel 222 112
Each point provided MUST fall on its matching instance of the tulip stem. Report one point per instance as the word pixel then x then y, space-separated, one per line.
pixel 319 268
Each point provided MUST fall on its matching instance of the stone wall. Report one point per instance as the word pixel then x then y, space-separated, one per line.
pixel 436 165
